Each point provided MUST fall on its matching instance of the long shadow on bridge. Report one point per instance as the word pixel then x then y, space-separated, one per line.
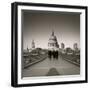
pixel 51 67
pixel 52 72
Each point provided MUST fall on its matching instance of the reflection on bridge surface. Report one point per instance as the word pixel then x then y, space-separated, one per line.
pixel 49 67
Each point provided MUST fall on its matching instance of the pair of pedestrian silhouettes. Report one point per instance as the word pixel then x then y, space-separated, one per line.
pixel 53 54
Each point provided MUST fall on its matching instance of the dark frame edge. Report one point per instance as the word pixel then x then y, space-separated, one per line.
pixel 86 44
pixel 14 44
pixel 51 5
pixel 52 83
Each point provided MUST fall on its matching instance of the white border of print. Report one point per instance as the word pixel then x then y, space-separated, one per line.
pixel 30 80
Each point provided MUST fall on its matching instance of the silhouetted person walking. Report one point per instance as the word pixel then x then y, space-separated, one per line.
pixel 49 54
pixel 56 54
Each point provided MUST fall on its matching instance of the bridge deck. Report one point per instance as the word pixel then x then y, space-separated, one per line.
pixel 51 67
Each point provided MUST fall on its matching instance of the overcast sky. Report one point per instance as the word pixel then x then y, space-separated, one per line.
pixel 38 26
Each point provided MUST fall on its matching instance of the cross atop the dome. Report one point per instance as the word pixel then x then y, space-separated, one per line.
pixel 27 47
pixel 52 33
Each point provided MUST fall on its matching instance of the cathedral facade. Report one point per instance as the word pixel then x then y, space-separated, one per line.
pixel 53 43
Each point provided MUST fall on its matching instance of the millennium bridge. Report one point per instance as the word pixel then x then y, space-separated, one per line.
pixel 51 67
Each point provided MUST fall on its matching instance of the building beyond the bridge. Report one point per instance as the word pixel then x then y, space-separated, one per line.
pixel 53 43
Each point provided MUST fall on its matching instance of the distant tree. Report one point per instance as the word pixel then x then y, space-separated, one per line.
pixel 69 50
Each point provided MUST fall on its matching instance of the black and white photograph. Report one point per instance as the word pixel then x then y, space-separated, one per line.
pixel 49 44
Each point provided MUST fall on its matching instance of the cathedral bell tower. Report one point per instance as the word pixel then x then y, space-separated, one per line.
pixel 33 44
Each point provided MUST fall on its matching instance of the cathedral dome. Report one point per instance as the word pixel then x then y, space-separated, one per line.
pixel 53 37
pixel 53 44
